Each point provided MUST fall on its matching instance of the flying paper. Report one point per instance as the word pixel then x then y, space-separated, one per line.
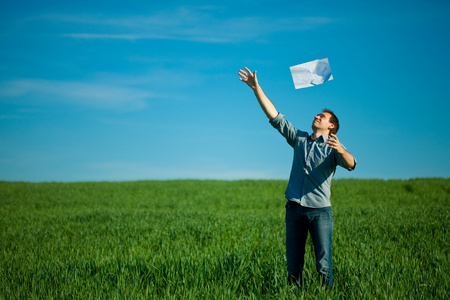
pixel 311 73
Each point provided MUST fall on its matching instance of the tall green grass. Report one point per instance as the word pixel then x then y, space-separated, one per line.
pixel 217 240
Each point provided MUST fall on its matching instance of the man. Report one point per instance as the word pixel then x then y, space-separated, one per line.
pixel 308 192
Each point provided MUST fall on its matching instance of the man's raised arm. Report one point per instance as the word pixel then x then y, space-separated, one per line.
pixel 250 79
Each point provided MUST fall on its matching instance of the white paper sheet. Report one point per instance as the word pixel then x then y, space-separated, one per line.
pixel 311 73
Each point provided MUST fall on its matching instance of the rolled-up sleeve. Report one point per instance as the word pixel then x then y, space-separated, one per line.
pixel 285 128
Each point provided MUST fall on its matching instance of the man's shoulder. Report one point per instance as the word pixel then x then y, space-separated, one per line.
pixel 281 123
pixel 303 134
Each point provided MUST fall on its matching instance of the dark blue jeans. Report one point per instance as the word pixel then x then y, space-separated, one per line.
pixel 319 223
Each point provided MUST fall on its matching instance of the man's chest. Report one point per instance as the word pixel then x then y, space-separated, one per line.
pixel 313 153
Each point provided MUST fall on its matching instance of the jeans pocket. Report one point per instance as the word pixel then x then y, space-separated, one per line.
pixel 330 214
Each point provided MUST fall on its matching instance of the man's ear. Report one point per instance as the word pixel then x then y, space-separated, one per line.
pixel 331 126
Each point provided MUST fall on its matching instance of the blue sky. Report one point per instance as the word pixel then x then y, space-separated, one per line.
pixel 136 90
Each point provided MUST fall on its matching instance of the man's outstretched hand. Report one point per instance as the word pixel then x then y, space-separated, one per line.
pixel 248 77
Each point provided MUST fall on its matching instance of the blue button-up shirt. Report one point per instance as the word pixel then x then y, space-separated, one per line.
pixel 313 166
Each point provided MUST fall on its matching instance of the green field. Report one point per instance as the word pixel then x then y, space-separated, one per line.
pixel 217 240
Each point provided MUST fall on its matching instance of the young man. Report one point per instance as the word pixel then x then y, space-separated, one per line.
pixel 308 208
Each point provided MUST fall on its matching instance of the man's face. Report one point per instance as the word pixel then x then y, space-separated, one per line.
pixel 321 122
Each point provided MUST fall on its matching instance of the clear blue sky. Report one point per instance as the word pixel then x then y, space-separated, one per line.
pixel 131 90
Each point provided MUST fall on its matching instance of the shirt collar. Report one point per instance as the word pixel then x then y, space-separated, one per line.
pixel 324 137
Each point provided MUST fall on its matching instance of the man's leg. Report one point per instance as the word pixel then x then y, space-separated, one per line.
pixel 321 230
pixel 296 234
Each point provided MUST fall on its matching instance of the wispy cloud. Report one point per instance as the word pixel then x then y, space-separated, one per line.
pixel 10 117
pixel 99 95
pixel 199 24
pixel 103 90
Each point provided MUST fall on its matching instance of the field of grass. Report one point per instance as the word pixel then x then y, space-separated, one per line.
pixel 217 240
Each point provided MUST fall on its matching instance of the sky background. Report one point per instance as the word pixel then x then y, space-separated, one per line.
pixel 137 90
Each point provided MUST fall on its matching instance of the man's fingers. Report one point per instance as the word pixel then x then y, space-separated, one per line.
pixel 244 76
pixel 247 76
pixel 332 142
pixel 333 136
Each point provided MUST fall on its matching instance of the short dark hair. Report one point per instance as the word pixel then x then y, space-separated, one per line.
pixel 333 120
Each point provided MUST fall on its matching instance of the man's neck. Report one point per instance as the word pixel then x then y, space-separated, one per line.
pixel 317 134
